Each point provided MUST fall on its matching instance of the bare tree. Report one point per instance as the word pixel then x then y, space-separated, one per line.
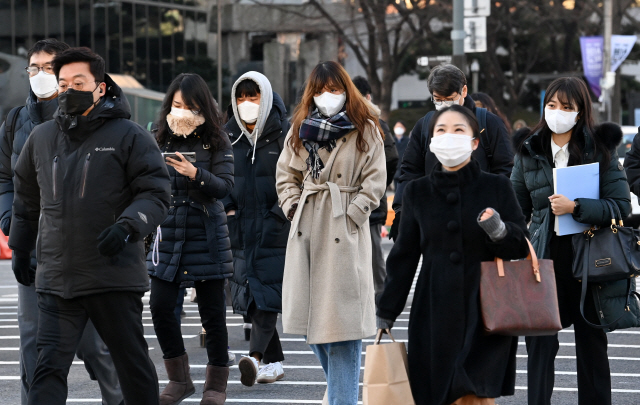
pixel 382 34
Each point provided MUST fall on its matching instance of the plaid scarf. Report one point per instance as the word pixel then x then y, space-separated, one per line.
pixel 318 132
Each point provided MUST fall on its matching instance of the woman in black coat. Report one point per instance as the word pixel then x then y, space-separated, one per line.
pixel 566 136
pixel 192 244
pixel 451 359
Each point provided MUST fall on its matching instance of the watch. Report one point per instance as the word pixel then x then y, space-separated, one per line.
pixel 577 207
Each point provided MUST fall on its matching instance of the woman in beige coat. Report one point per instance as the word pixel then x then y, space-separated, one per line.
pixel 330 176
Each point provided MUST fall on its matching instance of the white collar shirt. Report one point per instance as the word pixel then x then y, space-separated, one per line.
pixel 560 160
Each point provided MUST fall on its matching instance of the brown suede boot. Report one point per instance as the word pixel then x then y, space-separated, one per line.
pixel 180 385
pixel 215 386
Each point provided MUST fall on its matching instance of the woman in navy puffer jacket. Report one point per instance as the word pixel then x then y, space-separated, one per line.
pixel 192 244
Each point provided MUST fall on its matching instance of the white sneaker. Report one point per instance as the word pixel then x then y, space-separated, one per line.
pixel 271 373
pixel 248 370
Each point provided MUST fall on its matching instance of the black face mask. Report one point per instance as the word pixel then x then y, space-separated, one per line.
pixel 74 102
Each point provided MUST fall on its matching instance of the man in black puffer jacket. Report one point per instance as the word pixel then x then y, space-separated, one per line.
pixel 41 105
pixel 89 185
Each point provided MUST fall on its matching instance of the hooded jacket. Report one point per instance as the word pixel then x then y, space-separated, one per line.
pixel 32 114
pixel 532 180
pixel 76 177
pixel 259 228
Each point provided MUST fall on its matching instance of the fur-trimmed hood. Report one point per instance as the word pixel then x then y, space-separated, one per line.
pixel 608 133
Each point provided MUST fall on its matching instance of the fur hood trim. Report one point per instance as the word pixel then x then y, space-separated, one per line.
pixel 608 133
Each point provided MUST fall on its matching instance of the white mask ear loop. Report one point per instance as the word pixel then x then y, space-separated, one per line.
pixel 155 252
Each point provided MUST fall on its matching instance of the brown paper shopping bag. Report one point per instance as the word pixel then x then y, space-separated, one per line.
pixel 386 378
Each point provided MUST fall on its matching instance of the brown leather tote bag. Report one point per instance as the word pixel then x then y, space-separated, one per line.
pixel 519 298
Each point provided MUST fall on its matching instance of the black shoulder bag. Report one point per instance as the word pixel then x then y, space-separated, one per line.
pixel 607 254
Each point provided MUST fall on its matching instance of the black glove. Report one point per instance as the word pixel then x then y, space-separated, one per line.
pixel 21 265
pixel 393 232
pixel 112 240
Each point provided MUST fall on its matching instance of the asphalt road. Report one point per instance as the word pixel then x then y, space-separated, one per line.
pixel 304 379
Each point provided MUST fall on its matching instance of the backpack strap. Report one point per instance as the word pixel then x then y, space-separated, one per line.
pixel 152 127
pixel 10 125
pixel 425 131
pixel 481 116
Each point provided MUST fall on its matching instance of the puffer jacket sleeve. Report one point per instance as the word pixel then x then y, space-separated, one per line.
pixel 520 187
pixel 26 202
pixel 288 179
pixel 218 183
pixel 613 185
pixel 149 181
pixel 632 165
pixel 6 181
pixel 373 179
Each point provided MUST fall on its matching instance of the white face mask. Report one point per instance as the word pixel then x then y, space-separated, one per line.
pixel 330 104
pixel 44 85
pixel 451 149
pixel 182 113
pixel 398 131
pixel 560 121
pixel 249 111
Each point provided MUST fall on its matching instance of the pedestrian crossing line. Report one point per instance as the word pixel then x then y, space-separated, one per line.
pixel 576 390
pixel 3 307
pixel 609 345
pixel 524 356
pixel 363 340
pixel 9 377
pixel 184 324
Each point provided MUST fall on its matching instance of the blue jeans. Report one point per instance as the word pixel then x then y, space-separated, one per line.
pixel 341 364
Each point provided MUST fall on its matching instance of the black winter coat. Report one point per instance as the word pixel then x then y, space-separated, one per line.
pixel 259 229
pixel 450 355
pixel 419 161
pixel 71 185
pixel 401 146
pixel 532 179
pixel 33 113
pixel 195 238
pixel 379 215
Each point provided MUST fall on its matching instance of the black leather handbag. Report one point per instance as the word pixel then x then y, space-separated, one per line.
pixel 607 254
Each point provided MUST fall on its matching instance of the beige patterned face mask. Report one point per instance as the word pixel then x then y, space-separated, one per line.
pixel 184 125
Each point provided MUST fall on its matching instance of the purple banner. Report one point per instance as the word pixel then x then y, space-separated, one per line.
pixel 592 52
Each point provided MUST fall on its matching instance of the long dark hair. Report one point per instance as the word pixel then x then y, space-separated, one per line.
pixel 573 91
pixel 488 103
pixel 196 95
pixel 358 112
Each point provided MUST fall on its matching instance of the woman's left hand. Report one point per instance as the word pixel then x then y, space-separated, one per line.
pixel 561 205
pixel 184 167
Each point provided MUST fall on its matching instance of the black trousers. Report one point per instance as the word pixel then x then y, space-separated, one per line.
pixel 212 308
pixel 117 316
pixel 594 375
pixel 264 335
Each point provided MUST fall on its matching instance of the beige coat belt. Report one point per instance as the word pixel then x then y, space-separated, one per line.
pixel 312 188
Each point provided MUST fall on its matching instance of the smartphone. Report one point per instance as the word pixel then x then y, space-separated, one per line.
pixel 189 156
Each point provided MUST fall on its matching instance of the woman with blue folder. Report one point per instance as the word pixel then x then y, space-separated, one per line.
pixel 567 136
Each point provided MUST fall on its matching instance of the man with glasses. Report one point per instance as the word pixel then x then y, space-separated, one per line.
pixel 42 102
pixel 89 185
pixel 448 86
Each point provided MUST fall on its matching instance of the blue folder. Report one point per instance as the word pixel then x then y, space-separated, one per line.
pixel 582 181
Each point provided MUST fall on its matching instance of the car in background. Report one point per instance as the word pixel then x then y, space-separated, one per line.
pixel 628 133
